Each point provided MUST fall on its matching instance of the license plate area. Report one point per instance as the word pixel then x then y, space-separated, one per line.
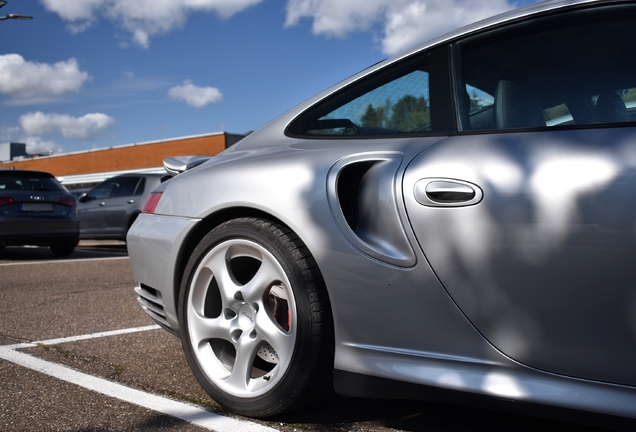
pixel 36 207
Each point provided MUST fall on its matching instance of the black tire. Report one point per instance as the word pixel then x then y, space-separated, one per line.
pixel 63 249
pixel 255 319
pixel 131 221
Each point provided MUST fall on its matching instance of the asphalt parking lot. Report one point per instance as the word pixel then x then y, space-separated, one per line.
pixel 78 354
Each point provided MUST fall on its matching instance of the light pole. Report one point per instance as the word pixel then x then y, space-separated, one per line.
pixel 13 16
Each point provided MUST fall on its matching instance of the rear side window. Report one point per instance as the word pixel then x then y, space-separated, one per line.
pixel 393 101
pixel 574 69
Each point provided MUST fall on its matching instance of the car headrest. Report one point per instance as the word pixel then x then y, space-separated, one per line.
pixel 610 108
pixel 516 106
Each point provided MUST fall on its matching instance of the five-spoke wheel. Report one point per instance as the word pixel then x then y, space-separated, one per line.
pixel 248 315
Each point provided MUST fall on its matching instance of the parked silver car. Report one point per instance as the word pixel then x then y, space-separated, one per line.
pixel 456 220
pixel 35 209
pixel 110 208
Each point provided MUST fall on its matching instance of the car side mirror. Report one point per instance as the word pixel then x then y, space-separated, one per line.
pixel 83 197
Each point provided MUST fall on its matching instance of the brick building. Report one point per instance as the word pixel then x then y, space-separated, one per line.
pixel 86 168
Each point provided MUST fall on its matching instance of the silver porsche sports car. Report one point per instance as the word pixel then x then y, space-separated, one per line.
pixel 456 220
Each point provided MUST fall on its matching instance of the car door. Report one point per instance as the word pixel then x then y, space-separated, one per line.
pixel 90 209
pixel 528 215
pixel 118 207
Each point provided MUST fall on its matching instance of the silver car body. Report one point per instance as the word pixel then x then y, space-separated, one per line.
pixel 523 291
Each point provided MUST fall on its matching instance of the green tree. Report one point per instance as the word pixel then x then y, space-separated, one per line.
pixel 376 116
pixel 629 95
pixel 409 113
pixel 556 112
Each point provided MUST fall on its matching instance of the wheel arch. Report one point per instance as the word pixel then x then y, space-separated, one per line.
pixel 208 224
pixel 131 219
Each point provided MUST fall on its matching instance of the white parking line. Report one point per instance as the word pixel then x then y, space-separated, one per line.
pixel 82 337
pixel 186 412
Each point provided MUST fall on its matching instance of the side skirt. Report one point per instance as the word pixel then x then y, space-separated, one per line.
pixel 355 385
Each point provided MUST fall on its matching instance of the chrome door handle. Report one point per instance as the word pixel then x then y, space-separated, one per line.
pixel 102 204
pixel 442 192
pixel 447 192
pixel 130 201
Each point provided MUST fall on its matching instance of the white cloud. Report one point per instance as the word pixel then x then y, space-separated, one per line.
pixel 141 18
pixel 404 22
pixel 421 20
pixel 24 79
pixel 8 133
pixel 85 127
pixel 195 96
pixel 81 27
pixel 36 144
pixel 336 17
pixel 74 10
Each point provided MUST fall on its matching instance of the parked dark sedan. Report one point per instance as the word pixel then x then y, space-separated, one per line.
pixel 35 209
pixel 110 208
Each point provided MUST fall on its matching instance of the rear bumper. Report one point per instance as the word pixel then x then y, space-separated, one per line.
pixel 39 233
pixel 154 245
pixel 42 240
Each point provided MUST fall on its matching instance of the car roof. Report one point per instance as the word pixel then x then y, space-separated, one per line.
pixel 503 18
pixel 158 175
pixel 22 172
pixel 541 7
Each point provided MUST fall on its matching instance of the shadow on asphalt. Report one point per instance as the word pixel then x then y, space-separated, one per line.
pixel 346 414
pixel 85 250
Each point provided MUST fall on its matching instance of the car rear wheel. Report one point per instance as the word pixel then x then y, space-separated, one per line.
pixel 255 319
pixel 63 249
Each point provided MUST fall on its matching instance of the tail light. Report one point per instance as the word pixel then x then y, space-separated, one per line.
pixel 6 200
pixel 68 201
pixel 151 202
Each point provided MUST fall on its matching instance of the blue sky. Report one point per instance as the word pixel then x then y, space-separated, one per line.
pixel 87 74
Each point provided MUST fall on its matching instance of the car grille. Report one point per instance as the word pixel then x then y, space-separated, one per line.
pixel 152 304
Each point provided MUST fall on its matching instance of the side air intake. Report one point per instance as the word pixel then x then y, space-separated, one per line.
pixel 364 202
pixel 152 304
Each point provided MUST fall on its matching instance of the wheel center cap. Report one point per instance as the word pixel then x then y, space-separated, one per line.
pixel 246 316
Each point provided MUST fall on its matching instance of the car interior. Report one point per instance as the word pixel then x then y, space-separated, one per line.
pixel 549 73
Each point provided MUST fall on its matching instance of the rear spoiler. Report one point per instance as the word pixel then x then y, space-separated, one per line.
pixel 178 164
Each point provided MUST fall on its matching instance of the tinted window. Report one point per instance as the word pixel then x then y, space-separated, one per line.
pixel 124 186
pixel 574 69
pixel 17 180
pixel 102 190
pixel 395 101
